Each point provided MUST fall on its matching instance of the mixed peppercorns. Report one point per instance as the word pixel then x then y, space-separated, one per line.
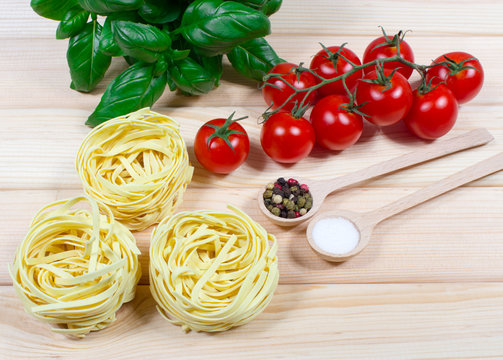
pixel 287 199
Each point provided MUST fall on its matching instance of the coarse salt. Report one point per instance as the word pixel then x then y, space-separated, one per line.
pixel 335 235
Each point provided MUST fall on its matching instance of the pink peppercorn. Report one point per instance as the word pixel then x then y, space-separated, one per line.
pixel 297 214
pixel 304 187
pixel 292 182
pixel 277 185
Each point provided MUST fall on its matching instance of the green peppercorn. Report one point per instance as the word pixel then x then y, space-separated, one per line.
pixel 301 201
pixel 270 186
pixel 290 214
pixel 309 204
pixel 275 211
pixel 285 201
pixel 294 188
pixel 290 205
pixel 277 199
pixel 302 211
pixel 267 194
pixel 270 207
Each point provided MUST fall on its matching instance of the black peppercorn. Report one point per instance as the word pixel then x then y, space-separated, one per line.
pixel 283 213
pixel 281 181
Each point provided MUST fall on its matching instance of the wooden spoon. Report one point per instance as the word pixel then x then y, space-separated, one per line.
pixel 365 222
pixel 320 189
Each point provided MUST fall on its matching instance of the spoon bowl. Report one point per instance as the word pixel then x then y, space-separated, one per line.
pixel 321 189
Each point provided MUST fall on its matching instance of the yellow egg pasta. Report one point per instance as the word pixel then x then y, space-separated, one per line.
pixel 210 270
pixel 136 164
pixel 76 266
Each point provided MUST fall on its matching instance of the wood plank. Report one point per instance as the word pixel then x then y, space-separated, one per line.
pixel 456 237
pixel 33 155
pixel 35 73
pixel 400 321
pixel 427 17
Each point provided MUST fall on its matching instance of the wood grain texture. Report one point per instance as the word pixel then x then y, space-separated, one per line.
pixel 456 237
pixel 388 322
pixel 33 155
pixel 428 286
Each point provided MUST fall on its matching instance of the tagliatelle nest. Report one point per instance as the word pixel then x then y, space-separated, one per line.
pixel 136 164
pixel 210 270
pixel 76 267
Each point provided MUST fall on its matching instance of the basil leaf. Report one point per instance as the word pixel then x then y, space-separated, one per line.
pixel 72 23
pixel 135 88
pixel 158 12
pixel 268 7
pixel 254 58
pixel 191 78
pixel 87 63
pixel 140 41
pixel 213 65
pixel 108 45
pixel 52 9
pixel 104 7
pixel 215 26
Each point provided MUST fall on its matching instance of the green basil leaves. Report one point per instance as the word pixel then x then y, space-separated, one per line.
pixel 135 88
pixel 87 63
pixel 216 26
pixel 175 43
pixel 254 58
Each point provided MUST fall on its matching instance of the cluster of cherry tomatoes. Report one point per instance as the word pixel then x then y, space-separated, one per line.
pixel 377 91
pixel 380 94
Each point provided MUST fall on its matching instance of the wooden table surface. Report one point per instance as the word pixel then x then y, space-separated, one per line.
pixel 429 285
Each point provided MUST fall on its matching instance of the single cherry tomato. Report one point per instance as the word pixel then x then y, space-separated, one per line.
pixel 287 139
pixel 432 114
pixel 280 91
pixel 385 97
pixel 336 127
pixel 221 145
pixel 464 77
pixel 384 47
pixel 331 65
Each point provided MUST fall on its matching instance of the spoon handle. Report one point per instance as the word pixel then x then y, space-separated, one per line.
pixel 438 149
pixel 474 172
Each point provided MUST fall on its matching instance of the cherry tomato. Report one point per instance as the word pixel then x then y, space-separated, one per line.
pixel 385 103
pixel 465 84
pixel 221 145
pixel 374 51
pixel 336 128
pixel 323 65
pixel 286 139
pixel 279 92
pixel 432 114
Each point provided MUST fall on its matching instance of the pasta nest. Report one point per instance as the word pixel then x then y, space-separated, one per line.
pixel 137 165
pixel 75 267
pixel 210 271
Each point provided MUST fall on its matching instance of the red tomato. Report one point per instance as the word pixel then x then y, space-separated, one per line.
pixel 433 114
pixel 384 107
pixel 388 50
pixel 221 145
pixel 286 139
pixel 275 96
pixel 336 128
pixel 324 67
pixel 465 84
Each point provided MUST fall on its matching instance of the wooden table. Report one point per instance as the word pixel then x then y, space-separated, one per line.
pixel 430 284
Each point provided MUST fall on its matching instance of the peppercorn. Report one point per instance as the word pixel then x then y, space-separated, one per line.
pixel 297 214
pixel 290 205
pixel 281 181
pixel 302 211
pixel 285 201
pixel 277 199
pixel 278 191
pixel 270 186
pixel 301 201
pixel 280 206
pixel 309 204
pixel 268 194
pixel 292 182
pixel 291 214
pixel 276 211
pixel 267 202
pixel 283 213
pixel 286 191
pixel 270 207
pixel 304 187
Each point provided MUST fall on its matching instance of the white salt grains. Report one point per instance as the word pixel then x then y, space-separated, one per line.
pixel 335 235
